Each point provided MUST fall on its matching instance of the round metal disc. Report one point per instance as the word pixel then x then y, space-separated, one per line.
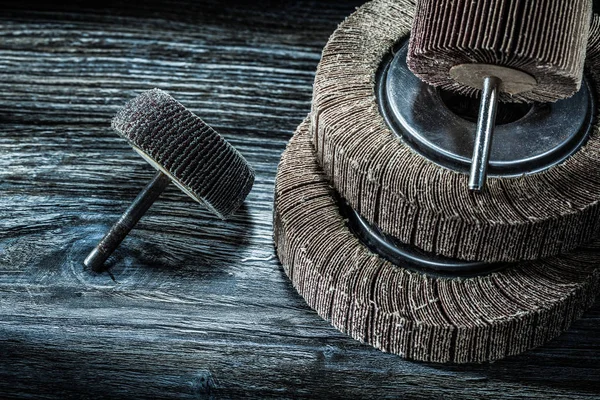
pixel 535 137
pixel 513 80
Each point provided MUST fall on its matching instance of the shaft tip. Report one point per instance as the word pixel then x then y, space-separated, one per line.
pixel 95 260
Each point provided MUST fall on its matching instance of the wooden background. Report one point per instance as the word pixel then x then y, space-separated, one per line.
pixel 192 307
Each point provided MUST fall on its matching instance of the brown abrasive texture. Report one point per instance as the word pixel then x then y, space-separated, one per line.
pixel 417 316
pixel 419 202
pixel 545 38
pixel 593 49
pixel 196 157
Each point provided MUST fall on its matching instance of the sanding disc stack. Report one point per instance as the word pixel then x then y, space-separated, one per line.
pixel 349 182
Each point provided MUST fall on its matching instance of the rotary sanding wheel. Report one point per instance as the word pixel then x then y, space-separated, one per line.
pixel 191 153
pixel 417 316
pixel 544 211
pixel 537 48
pixel 185 151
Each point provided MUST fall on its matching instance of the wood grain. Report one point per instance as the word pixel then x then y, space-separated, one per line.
pixel 202 310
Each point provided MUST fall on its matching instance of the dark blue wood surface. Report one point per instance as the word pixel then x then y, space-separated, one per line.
pixel 193 307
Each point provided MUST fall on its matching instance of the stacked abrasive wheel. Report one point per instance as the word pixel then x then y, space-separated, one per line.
pixel 374 222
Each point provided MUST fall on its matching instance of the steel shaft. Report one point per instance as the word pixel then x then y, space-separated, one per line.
pixel 96 259
pixel 484 134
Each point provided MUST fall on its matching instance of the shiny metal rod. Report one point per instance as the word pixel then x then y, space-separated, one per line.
pixel 95 260
pixel 485 132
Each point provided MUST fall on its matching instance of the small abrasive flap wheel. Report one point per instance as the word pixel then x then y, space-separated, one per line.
pixel 185 151
pixel 374 220
pixel 511 50
pixel 536 48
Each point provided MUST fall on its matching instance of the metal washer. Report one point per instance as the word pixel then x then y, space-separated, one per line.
pixel 545 136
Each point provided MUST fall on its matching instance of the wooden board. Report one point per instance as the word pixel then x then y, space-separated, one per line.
pixel 195 308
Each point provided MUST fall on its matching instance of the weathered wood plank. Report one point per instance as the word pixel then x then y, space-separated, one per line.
pixel 202 309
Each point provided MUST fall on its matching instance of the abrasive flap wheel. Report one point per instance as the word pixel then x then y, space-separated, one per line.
pixel 520 217
pixel 373 220
pixel 417 315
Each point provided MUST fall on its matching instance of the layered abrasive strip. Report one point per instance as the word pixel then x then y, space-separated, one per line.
pixel 545 39
pixel 177 142
pixel 420 317
pixel 419 202
pixel 593 48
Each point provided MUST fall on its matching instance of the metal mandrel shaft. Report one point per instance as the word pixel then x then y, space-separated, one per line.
pixel 484 134
pixel 95 260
